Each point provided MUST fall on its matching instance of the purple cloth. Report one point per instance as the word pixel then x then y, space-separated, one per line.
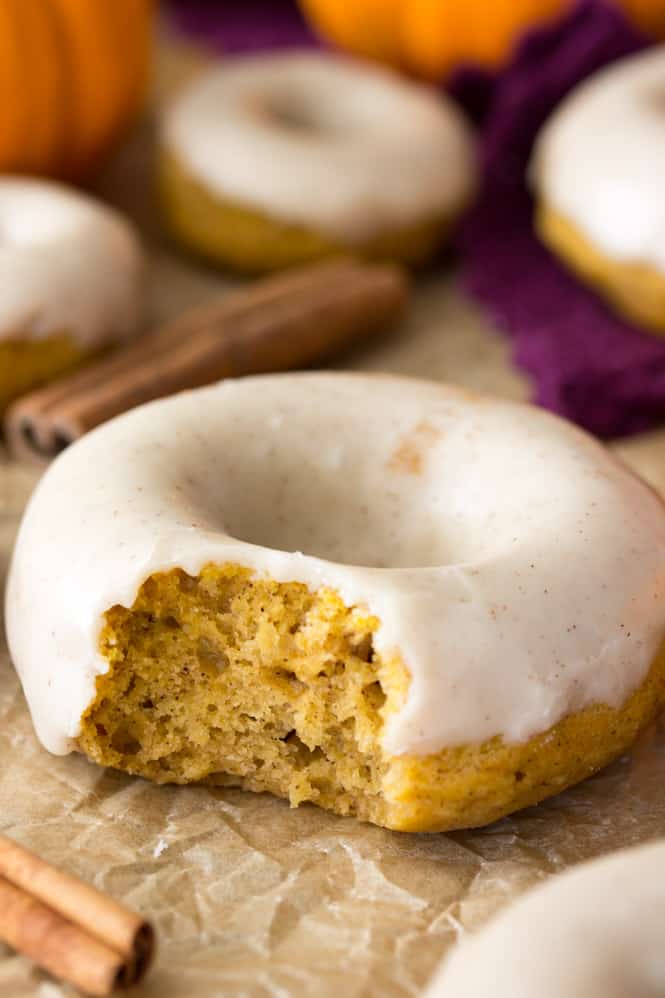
pixel 586 363
pixel 241 25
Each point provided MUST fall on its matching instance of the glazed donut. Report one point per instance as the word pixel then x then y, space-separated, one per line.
pixel 596 173
pixel 597 929
pixel 271 161
pixel 374 593
pixel 70 282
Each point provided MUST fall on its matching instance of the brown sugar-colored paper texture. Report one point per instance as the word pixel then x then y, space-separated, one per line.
pixel 251 898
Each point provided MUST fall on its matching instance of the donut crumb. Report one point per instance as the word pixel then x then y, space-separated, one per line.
pixel 242 681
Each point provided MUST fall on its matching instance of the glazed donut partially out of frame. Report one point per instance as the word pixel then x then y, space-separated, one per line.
pixel 70 282
pixel 597 174
pixel 597 929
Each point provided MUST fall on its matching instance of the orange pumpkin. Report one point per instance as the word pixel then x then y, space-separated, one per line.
pixel 72 73
pixel 649 15
pixel 431 37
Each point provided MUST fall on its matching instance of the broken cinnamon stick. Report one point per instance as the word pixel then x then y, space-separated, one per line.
pixel 280 323
pixel 69 927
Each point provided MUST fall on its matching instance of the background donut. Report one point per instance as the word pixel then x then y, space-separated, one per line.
pixel 71 276
pixel 269 162
pixel 601 207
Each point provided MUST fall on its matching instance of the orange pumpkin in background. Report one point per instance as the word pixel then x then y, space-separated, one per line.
pixel 72 74
pixel 431 37
pixel 649 15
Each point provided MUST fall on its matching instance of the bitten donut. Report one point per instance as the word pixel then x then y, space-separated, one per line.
pixel 376 594
pixel 597 174
pixel 70 282
pixel 597 930
pixel 274 160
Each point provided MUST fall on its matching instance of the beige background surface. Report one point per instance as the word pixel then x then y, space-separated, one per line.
pixel 249 897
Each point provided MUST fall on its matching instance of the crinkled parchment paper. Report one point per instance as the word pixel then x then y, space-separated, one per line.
pixel 249 897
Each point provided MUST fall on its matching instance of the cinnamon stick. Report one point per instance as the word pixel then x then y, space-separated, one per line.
pixel 280 323
pixel 69 927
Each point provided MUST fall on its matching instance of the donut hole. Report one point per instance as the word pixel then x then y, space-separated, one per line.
pixel 297 710
pixel 323 515
pixel 386 490
pixel 297 112
pixel 293 115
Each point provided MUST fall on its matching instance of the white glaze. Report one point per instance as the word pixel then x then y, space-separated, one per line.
pixel 515 564
pixel 376 153
pixel 600 159
pixel 68 264
pixel 597 931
